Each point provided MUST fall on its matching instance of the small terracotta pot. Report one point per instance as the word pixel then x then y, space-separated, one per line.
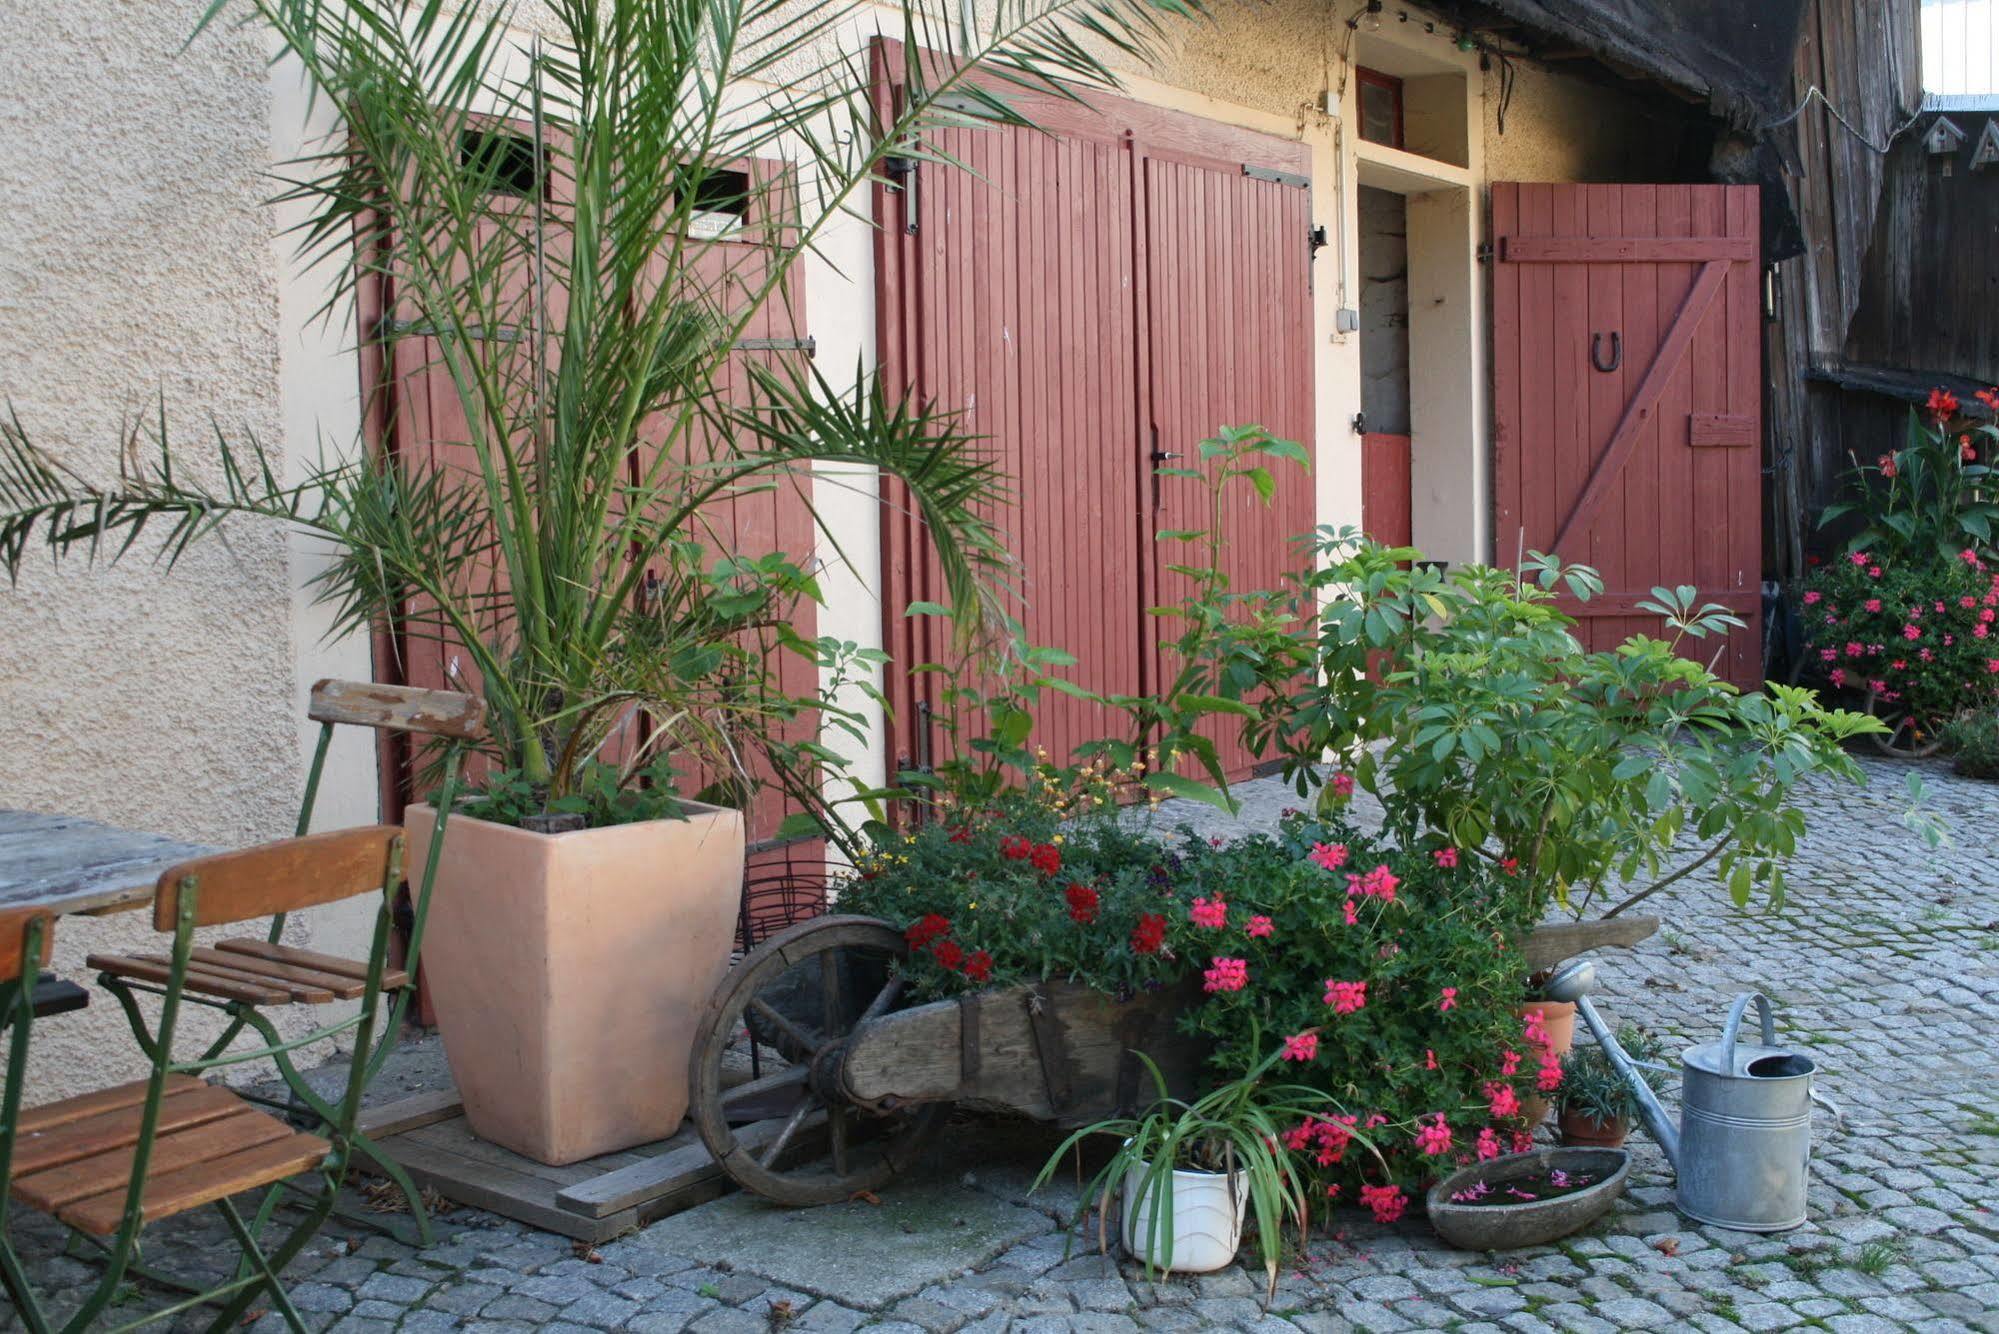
pixel 1583 1131
pixel 1559 1018
pixel 569 972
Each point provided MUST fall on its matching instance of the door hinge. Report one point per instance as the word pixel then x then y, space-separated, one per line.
pixel 1277 177
pixel 902 175
pixel 1485 252
pixel 808 345
pixel 1316 238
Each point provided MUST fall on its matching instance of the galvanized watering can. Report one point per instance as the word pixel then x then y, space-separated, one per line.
pixel 1743 1147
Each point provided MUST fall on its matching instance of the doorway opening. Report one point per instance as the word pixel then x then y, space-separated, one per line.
pixel 1384 364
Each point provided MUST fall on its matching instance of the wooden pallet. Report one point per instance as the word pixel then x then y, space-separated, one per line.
pixel 593 1200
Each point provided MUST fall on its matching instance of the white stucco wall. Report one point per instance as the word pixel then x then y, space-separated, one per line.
pixel 135 261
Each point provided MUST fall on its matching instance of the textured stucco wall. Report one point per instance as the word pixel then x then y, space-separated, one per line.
pixel 1563 128
pixel 134 261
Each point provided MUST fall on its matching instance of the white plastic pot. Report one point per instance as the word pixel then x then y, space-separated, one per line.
pixel 1208 1210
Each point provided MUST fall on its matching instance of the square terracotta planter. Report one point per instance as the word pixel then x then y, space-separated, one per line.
pixel 568 972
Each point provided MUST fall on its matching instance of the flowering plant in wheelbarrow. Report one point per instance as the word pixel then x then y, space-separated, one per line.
pixel 1043 883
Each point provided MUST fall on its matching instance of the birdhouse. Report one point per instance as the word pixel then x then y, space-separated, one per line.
pixel 1943 137
pixel 1986 154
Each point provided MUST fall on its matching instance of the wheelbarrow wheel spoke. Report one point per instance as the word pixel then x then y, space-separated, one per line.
pixel 793 1135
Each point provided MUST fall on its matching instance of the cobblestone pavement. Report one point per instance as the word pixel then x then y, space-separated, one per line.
pixel 1885 965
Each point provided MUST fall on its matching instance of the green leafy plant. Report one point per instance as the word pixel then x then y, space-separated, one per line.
pixel 1932 497
pixel 1465 703
pixel 1593 1087
pixel 542 212
pixel 1231 1129
pixel 1973 741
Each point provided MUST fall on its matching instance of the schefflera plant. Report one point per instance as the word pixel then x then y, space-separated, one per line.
pixel 1464 702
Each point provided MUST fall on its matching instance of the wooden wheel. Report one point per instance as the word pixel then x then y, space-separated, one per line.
pixel 793 1003
pixel 1902 740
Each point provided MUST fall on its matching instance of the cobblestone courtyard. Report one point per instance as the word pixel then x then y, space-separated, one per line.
pixel 1884 965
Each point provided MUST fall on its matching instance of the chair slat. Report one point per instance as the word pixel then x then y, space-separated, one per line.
pixel 212 1179
pixel 399 708
pixel 102 1132
pixel 13 938
pixel 213 984
pixel 279 877
pixel 183 1146
pixel 103 1100
pixel 392 978
pixel 305 984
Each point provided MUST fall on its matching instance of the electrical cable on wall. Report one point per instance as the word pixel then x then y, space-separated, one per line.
pixel 1814 93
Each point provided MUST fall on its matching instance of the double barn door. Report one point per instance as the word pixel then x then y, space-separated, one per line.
pixel 1627 388
pixel 1095 301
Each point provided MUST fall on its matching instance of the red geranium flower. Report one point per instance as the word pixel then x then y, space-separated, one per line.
pixel 927 929
pixel 1149 934
pixel 1082 902
pixel 1015 848
pixel 979 967
pixel 949 954
pixel 1046 858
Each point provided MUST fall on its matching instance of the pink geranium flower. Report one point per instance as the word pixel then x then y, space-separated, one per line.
pixel 1226 975
pixel 1301 1047
pixel 1433 1137
pixel 1502 1099
pixel 1387 1202
pixel 1259 925
pixel 1330 856
pixel 1446 857
pixel 1448 1000
pixel 1488 1144
pixel 1209 912
pixel 1345 997
pixel 1353 911
pixel 1343 784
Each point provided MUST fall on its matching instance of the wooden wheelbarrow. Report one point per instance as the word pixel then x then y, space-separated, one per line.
pixel 814 1017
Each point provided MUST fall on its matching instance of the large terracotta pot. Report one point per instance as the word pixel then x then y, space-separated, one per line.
pixel 1559 1018
pixel 568 972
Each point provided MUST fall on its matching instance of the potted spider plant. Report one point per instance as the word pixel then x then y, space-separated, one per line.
pixel 1596 1107
pixel 575 237
pixel 1188 1175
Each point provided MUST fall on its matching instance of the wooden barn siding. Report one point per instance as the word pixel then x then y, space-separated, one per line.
pixel 1863 55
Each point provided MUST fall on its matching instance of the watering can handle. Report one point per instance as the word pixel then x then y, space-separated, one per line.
pixel 1734 1023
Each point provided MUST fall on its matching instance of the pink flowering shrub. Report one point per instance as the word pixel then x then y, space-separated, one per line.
pixel 1392 978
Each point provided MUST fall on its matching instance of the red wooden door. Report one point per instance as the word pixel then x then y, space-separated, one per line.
pixel 1627 391
pixel 1229 337
pixel 1385 489
pixel 1083 298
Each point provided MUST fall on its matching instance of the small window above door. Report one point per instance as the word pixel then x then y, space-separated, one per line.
pixel 1379 98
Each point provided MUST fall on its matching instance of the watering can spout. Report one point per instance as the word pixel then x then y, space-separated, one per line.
pixel 1573 983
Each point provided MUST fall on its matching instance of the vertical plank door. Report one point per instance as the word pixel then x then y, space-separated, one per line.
pixel 1627 399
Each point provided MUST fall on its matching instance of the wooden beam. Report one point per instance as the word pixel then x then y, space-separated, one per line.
pixel 1721 430
pixel 1624 249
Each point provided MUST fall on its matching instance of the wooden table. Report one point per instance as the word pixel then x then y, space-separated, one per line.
pixel 72 865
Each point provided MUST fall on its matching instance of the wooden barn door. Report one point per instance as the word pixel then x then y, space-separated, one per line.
pixel 1090 301
pixel 1627 391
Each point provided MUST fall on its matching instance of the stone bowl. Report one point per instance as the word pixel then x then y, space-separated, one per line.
pixel 1505 1227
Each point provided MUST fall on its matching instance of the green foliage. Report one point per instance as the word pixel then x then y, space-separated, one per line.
pixel 1044 883
pixel 603 795
pixel 1592 1086
pixel 1233 1128
pixel 1929 499
pixel 1465 703
pixel 1913 629
pixel 584 324
pixel 1437 1031
pixel 1973 740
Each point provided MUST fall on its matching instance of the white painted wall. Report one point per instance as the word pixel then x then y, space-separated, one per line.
pixel 1960 46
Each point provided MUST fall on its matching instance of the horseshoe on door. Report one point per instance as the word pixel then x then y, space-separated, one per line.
pixel 1616 352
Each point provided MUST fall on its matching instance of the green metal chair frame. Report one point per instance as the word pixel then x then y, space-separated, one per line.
pixel 346 856
pixel 459 721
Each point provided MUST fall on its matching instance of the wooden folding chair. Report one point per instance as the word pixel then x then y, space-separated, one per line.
pixel 107 1163
pixel 243 976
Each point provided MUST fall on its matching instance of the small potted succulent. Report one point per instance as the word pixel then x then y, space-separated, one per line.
pixel 1596 1104
pixel 1188 1174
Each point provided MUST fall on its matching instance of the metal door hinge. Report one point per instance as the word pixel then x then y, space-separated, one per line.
pixel 1316 238
pixel 902 173
pixel 1485 252
pixel 1277 177
pixel 808 345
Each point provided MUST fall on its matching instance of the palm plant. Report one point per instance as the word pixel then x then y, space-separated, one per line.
pixel 558 226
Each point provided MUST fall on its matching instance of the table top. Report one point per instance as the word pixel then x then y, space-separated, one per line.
pixel 73 865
